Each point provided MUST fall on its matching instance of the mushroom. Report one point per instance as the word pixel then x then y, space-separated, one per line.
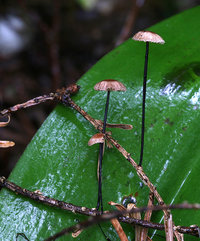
pixel 105 85
pixel 108 85
pixel 5 144
pixel 146 36
pixel 97 138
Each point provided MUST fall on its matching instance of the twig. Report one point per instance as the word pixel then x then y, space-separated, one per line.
pixel 115 214
pixel 179 236
pixel 35 101
pixel 119 229
pixel 71 89
pixel 138 229
pixel 46 200
pixel 169 229
pixel 147 217
pixel 37 196
pixel 69 102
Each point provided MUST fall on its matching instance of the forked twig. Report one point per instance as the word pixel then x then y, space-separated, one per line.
pixel 38 196
pixel 116 214
pixel 71 89
pixel 35 101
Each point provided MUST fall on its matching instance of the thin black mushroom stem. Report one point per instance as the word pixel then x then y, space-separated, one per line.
pixel 101 151
pixel 105 85
pixel 148 37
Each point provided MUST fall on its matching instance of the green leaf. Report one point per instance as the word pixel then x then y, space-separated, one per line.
pixel 60 164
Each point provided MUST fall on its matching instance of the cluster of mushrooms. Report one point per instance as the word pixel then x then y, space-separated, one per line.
pixel 114 85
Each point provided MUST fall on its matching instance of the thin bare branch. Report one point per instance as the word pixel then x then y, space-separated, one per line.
pixel 179 236
pixel 69 90
pixel 147 217
pixel 35 101
pixel 119 229
pixel 38 196
pixel 169 229
pixel 116 214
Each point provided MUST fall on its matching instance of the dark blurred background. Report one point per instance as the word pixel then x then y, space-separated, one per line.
pixel 45 45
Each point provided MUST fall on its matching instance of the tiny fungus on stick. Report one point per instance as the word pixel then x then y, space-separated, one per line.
pixel 97 138
pixel 105 85
pixel 148 37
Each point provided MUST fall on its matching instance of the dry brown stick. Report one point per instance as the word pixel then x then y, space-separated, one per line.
pixel 169 229
pixel 179 236
pixel 35 101
pixel 68 101
pixel 69 90
pixel 139 170
pixel 116 214
pixel 37 196
pixel 147 217
pixel 130 206
pixel 119 229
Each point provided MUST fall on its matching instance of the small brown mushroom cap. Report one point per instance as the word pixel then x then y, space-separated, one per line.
pixel 110 85
pixel 147 36
pixel 97 138
pixel 6 144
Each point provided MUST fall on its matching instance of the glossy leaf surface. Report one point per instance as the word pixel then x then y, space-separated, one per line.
pixel 60 164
